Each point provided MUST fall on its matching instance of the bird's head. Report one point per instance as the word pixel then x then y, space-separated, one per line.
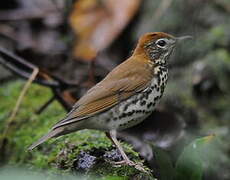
pixel 157 46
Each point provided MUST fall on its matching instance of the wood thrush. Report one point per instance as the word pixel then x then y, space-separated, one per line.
pixel 126 96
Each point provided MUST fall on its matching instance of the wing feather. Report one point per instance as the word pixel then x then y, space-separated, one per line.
pixel 117 86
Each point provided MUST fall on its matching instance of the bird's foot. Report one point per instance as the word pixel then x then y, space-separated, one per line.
pixel 124 162
pixel 138 166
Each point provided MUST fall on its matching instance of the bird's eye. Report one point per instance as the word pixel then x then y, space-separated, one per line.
pixel 161 43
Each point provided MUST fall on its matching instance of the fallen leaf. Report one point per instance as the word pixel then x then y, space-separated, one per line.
pixel 97 23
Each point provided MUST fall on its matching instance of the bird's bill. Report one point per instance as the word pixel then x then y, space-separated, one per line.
pixel 183 38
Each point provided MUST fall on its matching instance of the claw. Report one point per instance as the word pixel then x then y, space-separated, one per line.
pixel 124 162
pixel 138 166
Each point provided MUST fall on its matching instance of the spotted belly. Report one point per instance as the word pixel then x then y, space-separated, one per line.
pixel 131 111
pixel 137 108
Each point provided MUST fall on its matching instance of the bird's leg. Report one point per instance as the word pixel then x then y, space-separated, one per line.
pixel 112 136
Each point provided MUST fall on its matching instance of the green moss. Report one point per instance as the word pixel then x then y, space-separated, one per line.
pixel 28 127
pixel 106 169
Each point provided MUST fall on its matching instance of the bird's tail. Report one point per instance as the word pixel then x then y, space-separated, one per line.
pixel 52 133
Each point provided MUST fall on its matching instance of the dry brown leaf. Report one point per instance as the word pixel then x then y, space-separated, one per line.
pixel 97 23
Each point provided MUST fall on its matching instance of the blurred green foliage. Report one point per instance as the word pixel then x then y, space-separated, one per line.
pixel 190 164
pixel 22 174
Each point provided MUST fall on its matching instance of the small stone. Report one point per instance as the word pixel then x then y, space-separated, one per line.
pixel 84 162
pixel 113 155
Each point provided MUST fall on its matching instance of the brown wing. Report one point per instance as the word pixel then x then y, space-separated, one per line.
pixel 121 83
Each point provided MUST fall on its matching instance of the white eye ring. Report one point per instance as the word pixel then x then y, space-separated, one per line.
pixel 161 43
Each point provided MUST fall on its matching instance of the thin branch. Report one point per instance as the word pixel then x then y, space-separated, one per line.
pixel 58 95
pixel 44 106
pixel 18 103
pixel 24 68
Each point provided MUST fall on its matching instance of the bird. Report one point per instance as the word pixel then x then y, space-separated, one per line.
pixel 126 96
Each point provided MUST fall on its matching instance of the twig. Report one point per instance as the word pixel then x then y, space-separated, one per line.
pixel 19 101
pixel 44 106
pixel 24 68
pixel 58 95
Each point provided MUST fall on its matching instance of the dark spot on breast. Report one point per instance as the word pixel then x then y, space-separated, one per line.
pixel 131 113
pixel 122 124
pixel 153 87
pixel 135 101
pixel 126 106
pixel 143 103
pixel 158 79
pixel 162 89
pixel 147 93
pixel 138 111
pixel 149 105
pixel 147 112
pixel 122 116
pixel 156 98
pixel 131 120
